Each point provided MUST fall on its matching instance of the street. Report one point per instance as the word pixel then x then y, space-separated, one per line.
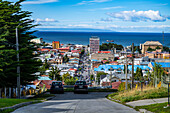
pixel 94 102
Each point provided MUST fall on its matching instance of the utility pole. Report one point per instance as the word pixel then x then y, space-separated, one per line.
pixel 163 36
pixel 18 67
pixel 132 84
pixel 126 71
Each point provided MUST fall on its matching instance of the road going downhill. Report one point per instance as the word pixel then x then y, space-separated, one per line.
pixel 94 102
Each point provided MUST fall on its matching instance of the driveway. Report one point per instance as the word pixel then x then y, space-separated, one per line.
pixel 94 102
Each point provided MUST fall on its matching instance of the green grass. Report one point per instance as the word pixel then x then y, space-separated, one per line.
pixel 7 111
pixel 156 108
pixel 5 102
pixel 133 95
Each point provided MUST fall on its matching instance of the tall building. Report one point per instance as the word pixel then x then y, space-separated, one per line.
pixel 94 44
pixel 56 44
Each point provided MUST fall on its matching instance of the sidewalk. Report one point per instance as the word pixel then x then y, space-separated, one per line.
pixel 147 102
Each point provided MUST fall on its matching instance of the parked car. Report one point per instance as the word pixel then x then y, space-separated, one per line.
pixel 81 86
pixel 56 87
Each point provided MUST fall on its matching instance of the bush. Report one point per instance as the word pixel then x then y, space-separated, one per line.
pixel 132 95
pixel 70 81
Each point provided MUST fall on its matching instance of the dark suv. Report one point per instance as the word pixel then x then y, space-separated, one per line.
pixel 56 87
pixel 80 86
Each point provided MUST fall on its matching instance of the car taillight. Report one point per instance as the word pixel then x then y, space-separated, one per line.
pixel 86 86
pixel 75 85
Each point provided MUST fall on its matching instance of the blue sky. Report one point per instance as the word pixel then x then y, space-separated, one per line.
pixel 101 15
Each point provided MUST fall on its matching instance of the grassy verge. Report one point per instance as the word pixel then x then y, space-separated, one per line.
pixel 133 95
pixel 156 108
pixel 7 102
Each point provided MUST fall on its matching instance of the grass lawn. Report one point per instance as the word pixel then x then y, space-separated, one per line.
pixel 156 108
pixel 133 95
pixel 6 102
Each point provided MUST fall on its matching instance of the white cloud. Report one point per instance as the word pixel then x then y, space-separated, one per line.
pixel 108 8
pixel 136 16
pixel 93 1
pixel 106 19
pixel 46 20
pixel 39 1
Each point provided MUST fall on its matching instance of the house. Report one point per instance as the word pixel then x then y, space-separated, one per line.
pixel 66 49
pixel 152 45
pixel 100 55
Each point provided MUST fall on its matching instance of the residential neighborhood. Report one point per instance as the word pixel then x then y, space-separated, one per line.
pixel 81 62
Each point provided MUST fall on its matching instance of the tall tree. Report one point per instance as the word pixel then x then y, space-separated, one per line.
pixel 12 16
pixel 55 74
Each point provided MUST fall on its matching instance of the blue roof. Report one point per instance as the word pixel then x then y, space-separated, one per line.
pixel 108 67
pixel 139 66
pixel 44 78
pixel 95 60
pixel 163 64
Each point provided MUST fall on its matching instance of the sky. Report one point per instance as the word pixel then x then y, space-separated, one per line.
pixel 100 15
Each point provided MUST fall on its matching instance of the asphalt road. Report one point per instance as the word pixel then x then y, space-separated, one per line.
pixel 94 102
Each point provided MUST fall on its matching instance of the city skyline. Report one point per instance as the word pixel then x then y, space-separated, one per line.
pixel 100 15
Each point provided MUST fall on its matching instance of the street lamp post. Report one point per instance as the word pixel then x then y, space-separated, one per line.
pixel 18 67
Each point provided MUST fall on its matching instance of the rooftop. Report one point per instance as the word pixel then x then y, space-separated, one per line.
pixel 152 43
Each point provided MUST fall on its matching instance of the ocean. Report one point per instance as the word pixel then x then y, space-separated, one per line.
pixel 123 38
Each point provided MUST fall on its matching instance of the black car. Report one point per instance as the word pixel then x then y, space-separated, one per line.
pixel 80 86
pixel 56 87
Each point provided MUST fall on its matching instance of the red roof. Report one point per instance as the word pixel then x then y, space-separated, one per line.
pixel 104 51
pixel 67 48
pixel 71 69
pixel 75 51
pixel 47 83
pixel 129 55
pixel 115 85
pixel 114 62
pixel 56 42
pixel 62 53
pixel 45 49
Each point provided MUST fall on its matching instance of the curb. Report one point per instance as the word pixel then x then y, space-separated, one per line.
pixel 25 103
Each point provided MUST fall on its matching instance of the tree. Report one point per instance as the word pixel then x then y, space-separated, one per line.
pixel 91 77
pixel 110 46
pixel 54 74
pixel 150 49
pixel 12 16
pixel 65 59
pixel 138 75
pixel 99 75
pixel 158 73
pixel 46 64
pixel 158 47
pixel 66 76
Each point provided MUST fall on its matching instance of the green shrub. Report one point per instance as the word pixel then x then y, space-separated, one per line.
pixel 70 81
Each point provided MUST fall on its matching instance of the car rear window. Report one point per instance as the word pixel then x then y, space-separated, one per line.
pixel 56 83
pixel 81 83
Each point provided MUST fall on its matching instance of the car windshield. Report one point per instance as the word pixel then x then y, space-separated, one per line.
pixel 80 83
pixel 56 83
